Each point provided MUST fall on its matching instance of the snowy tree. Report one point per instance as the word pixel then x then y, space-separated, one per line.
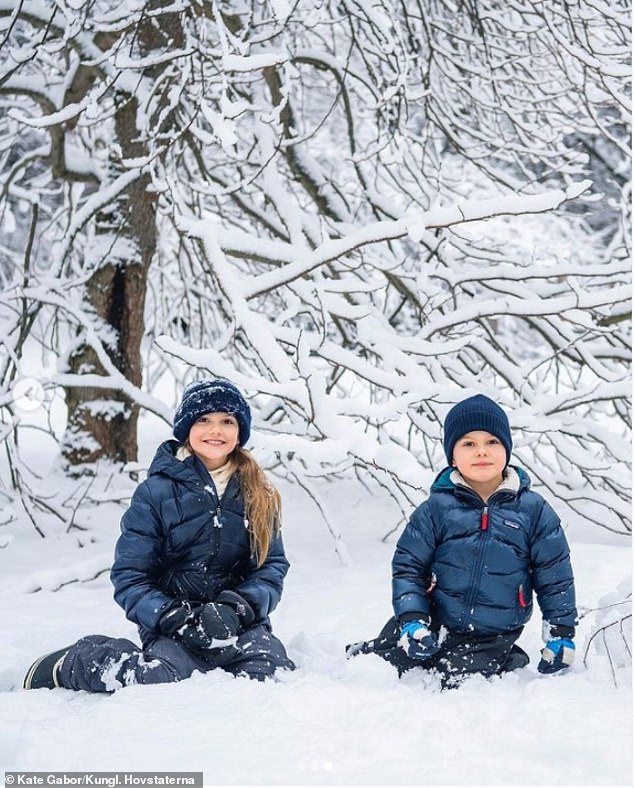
pixel 74 150
pixel 358 212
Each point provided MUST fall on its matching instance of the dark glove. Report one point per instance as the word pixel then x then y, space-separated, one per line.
pixel 417 640
pixel 558 654
pixel 177 617
pixel 239 605
pixel 211 628
pixel 207 630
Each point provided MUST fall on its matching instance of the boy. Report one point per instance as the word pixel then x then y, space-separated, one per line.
pixel 472 554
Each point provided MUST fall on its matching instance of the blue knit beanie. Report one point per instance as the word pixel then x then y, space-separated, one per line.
pixel 476 413
pixel 211 396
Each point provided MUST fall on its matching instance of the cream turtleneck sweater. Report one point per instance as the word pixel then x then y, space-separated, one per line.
pixel 220 475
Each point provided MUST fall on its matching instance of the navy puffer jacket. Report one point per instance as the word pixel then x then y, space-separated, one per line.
pixel 473 567
pixel 178 541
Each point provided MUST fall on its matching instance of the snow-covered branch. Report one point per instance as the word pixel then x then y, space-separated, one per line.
pixel 414 227
pixel 360 222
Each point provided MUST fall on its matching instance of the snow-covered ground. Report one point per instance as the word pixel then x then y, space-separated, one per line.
pixel 331 722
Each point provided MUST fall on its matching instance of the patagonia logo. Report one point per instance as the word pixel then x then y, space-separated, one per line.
pixel 511 524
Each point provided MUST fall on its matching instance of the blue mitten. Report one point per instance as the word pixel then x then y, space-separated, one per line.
pixel 417 641
pixel 558 654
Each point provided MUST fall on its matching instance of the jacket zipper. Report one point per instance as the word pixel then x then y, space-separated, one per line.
pixel 210 489
pixel 478 564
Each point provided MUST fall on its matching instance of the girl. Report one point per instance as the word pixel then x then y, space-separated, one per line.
pixel 466 566
pixel 199 564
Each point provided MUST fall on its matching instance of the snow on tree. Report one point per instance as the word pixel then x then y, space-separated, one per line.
pixel 359 212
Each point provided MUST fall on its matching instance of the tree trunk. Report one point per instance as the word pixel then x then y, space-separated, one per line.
pixel 102 422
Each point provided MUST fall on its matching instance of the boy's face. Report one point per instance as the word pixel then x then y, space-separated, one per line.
pixel 213 437
pixel 481 458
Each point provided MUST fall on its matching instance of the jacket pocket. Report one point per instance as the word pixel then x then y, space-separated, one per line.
pixel 524 603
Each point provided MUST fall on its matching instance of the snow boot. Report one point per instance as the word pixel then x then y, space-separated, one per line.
pixel 44 672
pixel 516 659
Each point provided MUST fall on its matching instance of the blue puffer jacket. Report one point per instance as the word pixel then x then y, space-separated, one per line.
pixel 178 541
pixel 473 566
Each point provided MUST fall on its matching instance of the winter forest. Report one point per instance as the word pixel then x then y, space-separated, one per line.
pixel 360 212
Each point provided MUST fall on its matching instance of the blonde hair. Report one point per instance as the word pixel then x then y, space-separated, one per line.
pixel 262 503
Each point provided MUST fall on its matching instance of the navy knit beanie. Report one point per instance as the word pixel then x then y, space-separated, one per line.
pixel 211 396
pixel 476 413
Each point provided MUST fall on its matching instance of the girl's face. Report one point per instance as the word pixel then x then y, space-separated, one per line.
pixel 481 458
pixel 213 437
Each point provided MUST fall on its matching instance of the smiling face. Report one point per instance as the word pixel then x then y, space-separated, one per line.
pixel 213 437
pixel 481 458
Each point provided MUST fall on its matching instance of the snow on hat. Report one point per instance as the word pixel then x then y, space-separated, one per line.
pixel 476 413
pixel 211 396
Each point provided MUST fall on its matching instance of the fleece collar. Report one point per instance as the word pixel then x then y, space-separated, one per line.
pixel 510 483
pixel 513 481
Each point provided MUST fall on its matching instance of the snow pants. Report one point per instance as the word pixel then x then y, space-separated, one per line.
pixel 459 655
pixel 98 663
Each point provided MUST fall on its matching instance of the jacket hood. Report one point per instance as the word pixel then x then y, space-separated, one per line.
pixel 166 463
pixel 443 482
